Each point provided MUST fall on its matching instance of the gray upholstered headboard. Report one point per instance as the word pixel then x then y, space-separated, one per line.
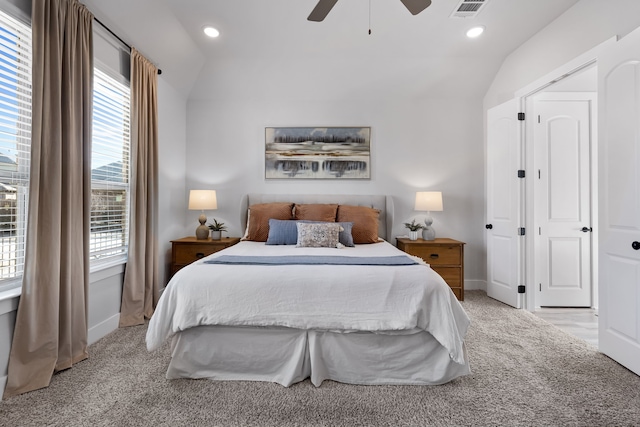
pixel 383 203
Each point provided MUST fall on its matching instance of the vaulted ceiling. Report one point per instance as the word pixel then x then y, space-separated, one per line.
pixel 169 32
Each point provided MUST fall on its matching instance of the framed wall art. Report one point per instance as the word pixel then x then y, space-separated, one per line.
pixel 317 152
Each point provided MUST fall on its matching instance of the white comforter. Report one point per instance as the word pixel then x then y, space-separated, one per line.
pixel 344 298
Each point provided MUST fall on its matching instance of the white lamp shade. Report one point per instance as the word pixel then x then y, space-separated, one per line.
pixel 202 200
pixel 430 201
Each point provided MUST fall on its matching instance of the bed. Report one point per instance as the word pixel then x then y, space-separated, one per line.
pixel 361 314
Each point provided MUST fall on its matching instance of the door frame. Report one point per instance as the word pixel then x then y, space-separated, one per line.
pixel 524 96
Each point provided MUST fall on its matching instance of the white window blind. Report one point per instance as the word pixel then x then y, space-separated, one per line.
pixel 109 167
pixel 15 142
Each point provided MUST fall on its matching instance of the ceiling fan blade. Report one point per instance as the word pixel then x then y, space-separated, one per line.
pixel 322 9
pixel 416 6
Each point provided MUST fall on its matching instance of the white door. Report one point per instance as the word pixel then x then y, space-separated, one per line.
pixel 503 203
pixel 619 204
pixel 562 174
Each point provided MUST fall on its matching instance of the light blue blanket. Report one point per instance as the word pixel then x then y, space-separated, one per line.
pixel 311 259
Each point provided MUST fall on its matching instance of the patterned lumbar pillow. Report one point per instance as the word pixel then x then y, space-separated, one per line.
pixel 318 235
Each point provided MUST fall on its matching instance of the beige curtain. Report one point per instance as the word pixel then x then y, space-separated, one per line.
pixel 140 291
pixel 51 324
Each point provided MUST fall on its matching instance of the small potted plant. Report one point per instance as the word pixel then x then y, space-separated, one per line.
pixel 216 229
pixel 413 229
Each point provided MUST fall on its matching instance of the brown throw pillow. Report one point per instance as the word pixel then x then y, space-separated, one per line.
pixel 258 229
pixel 316 212
pixel 365 222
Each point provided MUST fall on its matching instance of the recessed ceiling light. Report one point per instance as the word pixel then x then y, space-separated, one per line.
pixel 475 32
pixel 211 32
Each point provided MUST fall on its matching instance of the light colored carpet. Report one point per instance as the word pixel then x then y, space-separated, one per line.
pixel 525 372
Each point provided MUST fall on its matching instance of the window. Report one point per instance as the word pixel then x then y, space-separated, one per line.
pixel 109 167
pixel 109 163
pixel 15 141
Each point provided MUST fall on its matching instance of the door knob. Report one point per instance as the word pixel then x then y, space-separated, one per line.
pixel 488 226
pixel 635 245
pixel 586 229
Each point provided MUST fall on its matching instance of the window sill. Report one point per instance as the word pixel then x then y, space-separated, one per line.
pixel 14 289
pixel 11 293
pixel 100 265
pixel 9 298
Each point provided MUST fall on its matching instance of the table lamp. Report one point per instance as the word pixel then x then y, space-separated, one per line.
pixel 201 200
pixel 429 201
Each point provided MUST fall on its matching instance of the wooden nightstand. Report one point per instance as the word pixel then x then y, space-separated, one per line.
pixel 189 249
pixel 446 257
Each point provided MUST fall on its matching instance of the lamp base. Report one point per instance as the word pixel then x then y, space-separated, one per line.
pixel 428 233
pixel 202 232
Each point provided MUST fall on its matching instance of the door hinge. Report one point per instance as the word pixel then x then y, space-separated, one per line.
pixel 521 289
pixel 521 116
pixel 521 231
pixel 521 173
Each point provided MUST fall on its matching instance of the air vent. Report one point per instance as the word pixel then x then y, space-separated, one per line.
pixel 468 8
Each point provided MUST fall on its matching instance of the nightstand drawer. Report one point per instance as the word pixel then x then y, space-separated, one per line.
pixel 186 254
pixel 451 275
pixel 437 255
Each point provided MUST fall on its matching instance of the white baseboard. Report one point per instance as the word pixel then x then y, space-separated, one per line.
pixel 103 329
pixel 475 285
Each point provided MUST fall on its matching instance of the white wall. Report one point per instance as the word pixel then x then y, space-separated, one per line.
pixel 581 28
pixel 172 121
pixel 421 140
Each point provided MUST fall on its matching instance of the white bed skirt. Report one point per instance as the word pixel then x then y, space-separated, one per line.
pixel 287 356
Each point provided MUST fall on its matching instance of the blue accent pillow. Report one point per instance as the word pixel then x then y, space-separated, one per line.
pixel 282 232
pixel 345 236
pixel 285 232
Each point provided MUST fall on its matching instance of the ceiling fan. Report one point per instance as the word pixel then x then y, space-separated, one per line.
pixel 323 8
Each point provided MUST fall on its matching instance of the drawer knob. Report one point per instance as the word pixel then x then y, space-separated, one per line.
pixel 434 256
pixel 199 255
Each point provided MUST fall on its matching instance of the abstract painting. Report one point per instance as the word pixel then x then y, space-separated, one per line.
pixel 317 152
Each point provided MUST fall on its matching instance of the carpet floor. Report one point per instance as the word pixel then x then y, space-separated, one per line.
pixel 525 372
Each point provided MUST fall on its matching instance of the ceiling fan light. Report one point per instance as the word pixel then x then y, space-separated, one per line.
pixel 475 32
pixel 211 32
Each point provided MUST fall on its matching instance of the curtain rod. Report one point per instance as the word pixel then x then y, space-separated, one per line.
pixel 118 37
